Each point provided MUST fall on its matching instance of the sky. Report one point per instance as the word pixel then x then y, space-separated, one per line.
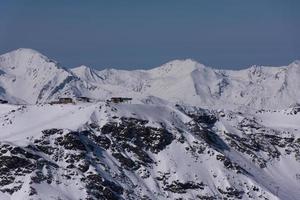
pixel 135 34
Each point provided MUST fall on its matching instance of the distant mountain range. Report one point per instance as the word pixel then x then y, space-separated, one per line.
pixel 26 76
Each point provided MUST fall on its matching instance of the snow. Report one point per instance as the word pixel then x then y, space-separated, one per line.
pixel 260 94
pixel 280 119
pixel 31 120
pixel 152 113
pixel 4 196
pixel 5 108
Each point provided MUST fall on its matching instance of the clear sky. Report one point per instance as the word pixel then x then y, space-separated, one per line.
pixel 130 34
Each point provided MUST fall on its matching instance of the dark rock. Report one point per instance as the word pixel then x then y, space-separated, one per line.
pixel 180 187
pixel 72 141
pixel 126 162
pixel 232 193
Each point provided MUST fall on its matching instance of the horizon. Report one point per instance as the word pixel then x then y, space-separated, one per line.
pixel 149 68
pixel 142 35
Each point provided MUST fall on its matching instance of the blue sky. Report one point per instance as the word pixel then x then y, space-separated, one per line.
pixel 130 34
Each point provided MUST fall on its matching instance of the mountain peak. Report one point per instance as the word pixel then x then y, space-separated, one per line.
pixel 86 73
pixel 24 58
pixel 181 62
pixel 25 53
pixel 179 67
pixel 81 68
pixel 296 62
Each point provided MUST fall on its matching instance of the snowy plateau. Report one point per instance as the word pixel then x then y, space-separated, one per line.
pixel 190 132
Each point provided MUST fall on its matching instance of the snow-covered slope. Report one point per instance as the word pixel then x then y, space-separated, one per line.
pixel 147 151
pixel 26 76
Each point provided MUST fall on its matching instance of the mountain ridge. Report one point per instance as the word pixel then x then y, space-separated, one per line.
pixel 178 81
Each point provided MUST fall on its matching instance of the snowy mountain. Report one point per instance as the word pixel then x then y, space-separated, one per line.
pixel 147 151
pixel 30 77
pixel 27 76
pixel 191 132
